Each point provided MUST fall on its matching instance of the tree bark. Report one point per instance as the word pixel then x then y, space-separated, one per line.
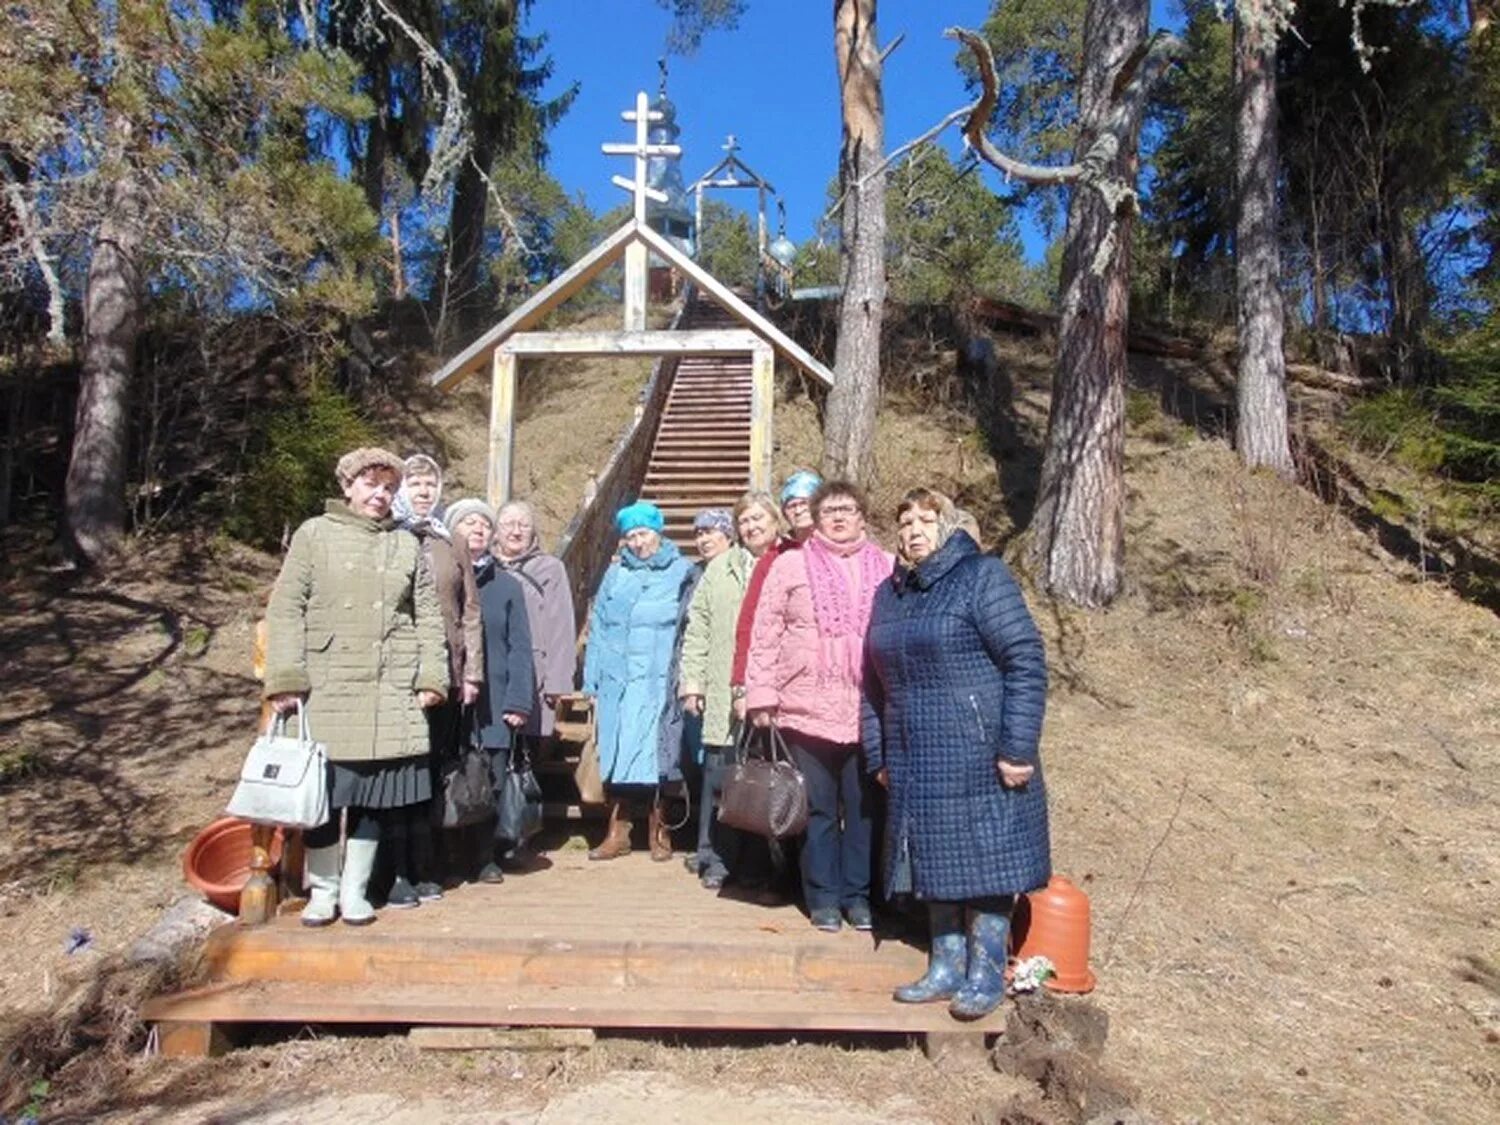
pixel 1077 541
pixel 1261 432
pixel 94 493
pixel 462 298
pixel 849 428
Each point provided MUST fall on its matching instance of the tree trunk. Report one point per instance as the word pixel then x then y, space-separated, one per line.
pixel 849 429
pixel 463 301
pixel 94 494
pixel 378 135
pixel 1262 425
pixel 1077 541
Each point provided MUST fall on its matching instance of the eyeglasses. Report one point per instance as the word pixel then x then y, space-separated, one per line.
pixel 838 510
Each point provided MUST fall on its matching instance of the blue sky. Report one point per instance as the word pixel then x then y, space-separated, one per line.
pixel 771 82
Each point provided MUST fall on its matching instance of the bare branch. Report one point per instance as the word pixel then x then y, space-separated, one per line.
pixel 56 329
pixel 979 118
pixel 891 47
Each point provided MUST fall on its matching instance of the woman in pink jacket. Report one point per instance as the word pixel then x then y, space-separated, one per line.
pixel 803 673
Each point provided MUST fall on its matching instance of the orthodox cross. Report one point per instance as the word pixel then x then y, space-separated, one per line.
pixel 642 149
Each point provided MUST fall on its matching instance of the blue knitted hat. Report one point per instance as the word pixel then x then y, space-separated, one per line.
pixel 642 513
pixel 800 486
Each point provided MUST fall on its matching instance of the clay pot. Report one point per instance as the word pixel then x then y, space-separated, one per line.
pixel 217 862
pixel 1054 922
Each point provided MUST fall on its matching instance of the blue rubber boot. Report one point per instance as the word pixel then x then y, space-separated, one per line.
pixel 982 992
pixel 945 957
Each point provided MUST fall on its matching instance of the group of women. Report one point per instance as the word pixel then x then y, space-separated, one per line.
pixel 910 689
pixel 412 629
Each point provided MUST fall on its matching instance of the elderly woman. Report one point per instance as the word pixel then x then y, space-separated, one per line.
pixel 506 697
pixel 804 671
pixel 797 515
pixel 549 609
pixel 628 667
pixel 707 657
pixel 409 848
pixel 952 718
pixel 355 629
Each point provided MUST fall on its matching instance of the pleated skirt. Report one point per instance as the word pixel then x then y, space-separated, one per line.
pixel 390 784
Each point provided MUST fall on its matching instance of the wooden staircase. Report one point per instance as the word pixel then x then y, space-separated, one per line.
pixel 701 455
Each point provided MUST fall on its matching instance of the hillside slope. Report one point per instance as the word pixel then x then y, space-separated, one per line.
pixel 1274 762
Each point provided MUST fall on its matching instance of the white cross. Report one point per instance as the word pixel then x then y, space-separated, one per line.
pixel 643 115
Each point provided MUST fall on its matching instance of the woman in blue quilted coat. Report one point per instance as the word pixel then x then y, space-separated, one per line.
pixel 628 664
pixel 953 705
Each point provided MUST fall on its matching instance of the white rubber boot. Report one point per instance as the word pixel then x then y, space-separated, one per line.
pixel 323 886
pixel 359 862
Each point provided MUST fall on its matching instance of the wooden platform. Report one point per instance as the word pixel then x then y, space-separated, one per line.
pixel 625 944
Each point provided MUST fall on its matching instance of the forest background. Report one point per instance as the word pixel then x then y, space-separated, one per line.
pixel 226 221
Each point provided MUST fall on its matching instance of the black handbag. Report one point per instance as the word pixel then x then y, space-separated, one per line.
pixel 465 782
pixel 468 788
pixel 519 810
pixel 764 795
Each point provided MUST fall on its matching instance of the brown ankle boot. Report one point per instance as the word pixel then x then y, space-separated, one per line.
pixel 660 837
pixel 616 840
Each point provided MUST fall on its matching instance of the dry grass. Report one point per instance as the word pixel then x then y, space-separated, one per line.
pixel 1274 765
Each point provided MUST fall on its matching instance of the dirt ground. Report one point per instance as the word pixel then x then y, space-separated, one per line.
pixel 1274 766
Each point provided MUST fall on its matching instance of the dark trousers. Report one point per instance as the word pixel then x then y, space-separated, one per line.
pixel 836 851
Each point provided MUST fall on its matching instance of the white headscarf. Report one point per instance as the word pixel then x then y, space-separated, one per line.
pixel 419 464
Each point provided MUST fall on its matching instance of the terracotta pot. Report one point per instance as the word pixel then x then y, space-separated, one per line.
pixel 217 862
pixel 1054 922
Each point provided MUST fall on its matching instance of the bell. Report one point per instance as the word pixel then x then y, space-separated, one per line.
pixel 1054 923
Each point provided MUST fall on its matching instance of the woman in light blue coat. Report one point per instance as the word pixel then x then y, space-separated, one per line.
pixel 627 667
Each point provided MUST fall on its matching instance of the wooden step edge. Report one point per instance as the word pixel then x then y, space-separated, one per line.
pixel 621 1008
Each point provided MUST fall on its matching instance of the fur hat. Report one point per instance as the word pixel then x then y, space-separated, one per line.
pixel 365 457
pixel 461 509
pixel 642 513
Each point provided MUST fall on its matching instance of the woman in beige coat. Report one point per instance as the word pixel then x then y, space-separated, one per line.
pixel 354 629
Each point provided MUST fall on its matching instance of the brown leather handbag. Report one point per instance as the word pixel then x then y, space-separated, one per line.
pixel 764 794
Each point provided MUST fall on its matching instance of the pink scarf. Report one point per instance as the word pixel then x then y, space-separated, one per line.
pixel 842 613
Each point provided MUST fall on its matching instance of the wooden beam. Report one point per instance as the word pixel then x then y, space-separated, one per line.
pixel 735 304
pixel 591 265
pixel 762 410
pixel 700 341
pixel 502 426
pixel 635 287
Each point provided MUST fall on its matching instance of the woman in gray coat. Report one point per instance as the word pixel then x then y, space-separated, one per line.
pixel 549 610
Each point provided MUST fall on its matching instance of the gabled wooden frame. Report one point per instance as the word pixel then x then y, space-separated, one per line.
pixel 503 346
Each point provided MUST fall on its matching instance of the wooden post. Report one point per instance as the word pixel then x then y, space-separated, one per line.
pixel 635 287
pixel 502 425
pixel 762 408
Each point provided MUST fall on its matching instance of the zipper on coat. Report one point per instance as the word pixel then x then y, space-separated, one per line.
pixel 978 718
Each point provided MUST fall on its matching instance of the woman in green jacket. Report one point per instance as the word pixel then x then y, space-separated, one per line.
pixel 707 659
pixel 354 628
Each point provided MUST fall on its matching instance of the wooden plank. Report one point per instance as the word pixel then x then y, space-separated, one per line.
pixel 591 265
pixel 762 410
pixel 609 961
pixel 502 427
pixel 635 284
pixel 501 1038
pixel 625 1008
pixel 192 1039
pixel 730 300
pixel 693 341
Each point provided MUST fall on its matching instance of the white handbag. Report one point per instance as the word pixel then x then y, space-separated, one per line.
pixel 284 779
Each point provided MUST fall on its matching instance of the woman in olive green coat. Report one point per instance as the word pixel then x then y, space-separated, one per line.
pixel 354 628
pixel 707 659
